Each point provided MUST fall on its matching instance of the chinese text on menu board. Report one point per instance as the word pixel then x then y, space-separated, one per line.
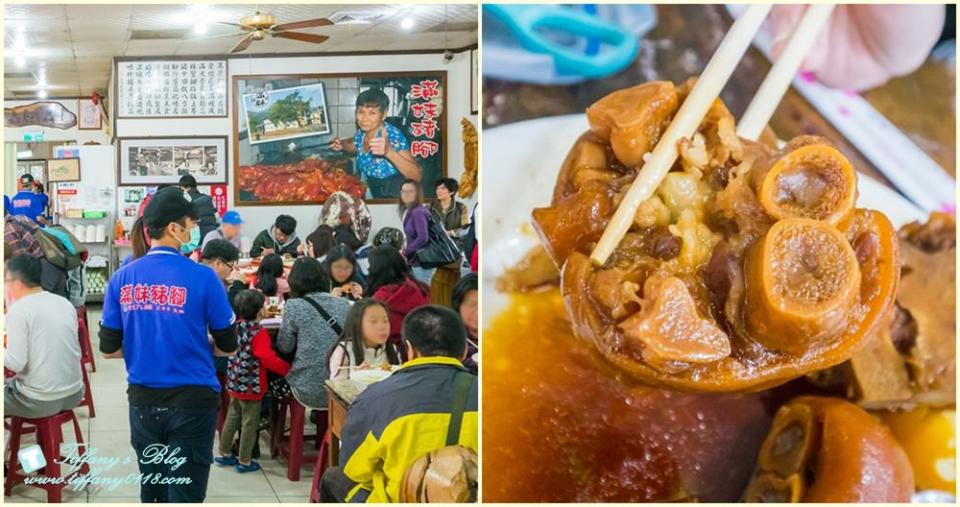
pixel 173 88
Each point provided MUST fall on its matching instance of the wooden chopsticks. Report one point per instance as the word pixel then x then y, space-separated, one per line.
pixel 775 85
pixel 684 125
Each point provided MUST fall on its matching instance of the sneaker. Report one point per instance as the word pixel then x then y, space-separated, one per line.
pixel 226 460
pixel 252 467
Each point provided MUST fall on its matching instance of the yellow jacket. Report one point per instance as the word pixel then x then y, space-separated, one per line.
pixel 397 420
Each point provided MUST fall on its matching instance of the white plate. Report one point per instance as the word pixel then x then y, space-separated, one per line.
pixel 520 165
pixel 367 377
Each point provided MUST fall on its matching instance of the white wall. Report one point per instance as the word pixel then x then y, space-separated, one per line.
pixel 15 135
pixel 384 215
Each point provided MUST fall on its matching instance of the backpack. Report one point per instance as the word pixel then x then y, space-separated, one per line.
pixel 449 474
pixel 61 248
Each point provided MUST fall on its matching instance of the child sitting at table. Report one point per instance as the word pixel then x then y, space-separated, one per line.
pixel 346 278
pixel 247 382
pixel 364 343
pixel 270 280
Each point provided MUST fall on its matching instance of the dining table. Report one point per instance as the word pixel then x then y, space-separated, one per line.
pixel 340 395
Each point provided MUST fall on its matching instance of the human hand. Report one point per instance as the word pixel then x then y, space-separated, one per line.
pixel 355 289
pixel 863 46
pixel 267 251
pixel 336 145
pixel 363 366
pixel 337 292
pixel 379 145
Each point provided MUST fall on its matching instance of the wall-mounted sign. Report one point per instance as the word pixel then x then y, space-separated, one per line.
pixel 172 89
pixel 33 137
pixel 43 114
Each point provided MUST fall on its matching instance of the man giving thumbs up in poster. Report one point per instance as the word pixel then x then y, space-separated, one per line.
pixel 383 152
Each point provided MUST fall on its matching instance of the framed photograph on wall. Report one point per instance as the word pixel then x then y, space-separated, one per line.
pixel 63 169
pixel 300 138
pixel 474 82
pixel 146 161
pixel 90 118
pixel 286 113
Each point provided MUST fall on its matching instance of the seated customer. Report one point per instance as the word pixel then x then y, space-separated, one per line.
pixel 229 229
pixel 345 275
pixel 363 344
pixel 42 345
pixel 392 283
pixel 395 421
pixel 222 256
pixel 281 239
pixel 466 301
pixel 319 242
pixel 270 279
pixel 312 323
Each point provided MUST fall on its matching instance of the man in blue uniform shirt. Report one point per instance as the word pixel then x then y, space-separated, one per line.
pixel 157 315
pixel 28 202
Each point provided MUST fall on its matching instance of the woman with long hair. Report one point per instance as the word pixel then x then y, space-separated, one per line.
pixel 416 225
pixel 392 283
pixel 345 275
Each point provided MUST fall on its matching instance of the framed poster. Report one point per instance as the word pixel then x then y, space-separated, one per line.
pixel 194 88
pixel 474 83
pixel 319 144
pixel 146 161
pixel 286 113
pixel 63 169
pixel 90 118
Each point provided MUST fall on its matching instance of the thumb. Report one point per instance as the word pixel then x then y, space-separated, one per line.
pixel 382 132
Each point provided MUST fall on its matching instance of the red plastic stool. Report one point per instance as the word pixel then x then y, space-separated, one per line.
pixel 83 332
pixel 49 435
pixel 87 400
pixel 321 467
pixel 291 446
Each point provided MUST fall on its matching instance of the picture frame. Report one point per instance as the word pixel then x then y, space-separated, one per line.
pixel 147 87
pixel 63 169
pixel 89 114
pixel 263 111
pixel 263 169
pixel 474 82
pixel 151 161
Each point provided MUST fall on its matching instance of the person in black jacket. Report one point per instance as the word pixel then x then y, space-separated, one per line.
pixel 202 203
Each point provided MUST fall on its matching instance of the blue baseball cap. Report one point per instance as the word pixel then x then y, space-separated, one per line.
pixel 231 217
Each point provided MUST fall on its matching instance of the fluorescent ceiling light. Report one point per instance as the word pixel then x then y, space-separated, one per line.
pixel 25 154
pixel 407 23
pixel 200 28
pixel 42 94
pixel 21 61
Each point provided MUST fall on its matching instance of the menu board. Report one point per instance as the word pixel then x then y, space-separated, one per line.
pixel 172 89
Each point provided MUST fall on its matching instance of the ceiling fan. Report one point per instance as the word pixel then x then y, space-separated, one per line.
pixel 258 26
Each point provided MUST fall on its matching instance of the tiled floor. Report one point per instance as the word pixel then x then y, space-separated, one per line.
pixel 109 434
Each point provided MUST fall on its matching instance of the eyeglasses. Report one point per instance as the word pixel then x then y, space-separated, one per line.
pixel 232 266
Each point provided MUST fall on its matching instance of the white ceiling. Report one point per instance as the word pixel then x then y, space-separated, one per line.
pixel 74 45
